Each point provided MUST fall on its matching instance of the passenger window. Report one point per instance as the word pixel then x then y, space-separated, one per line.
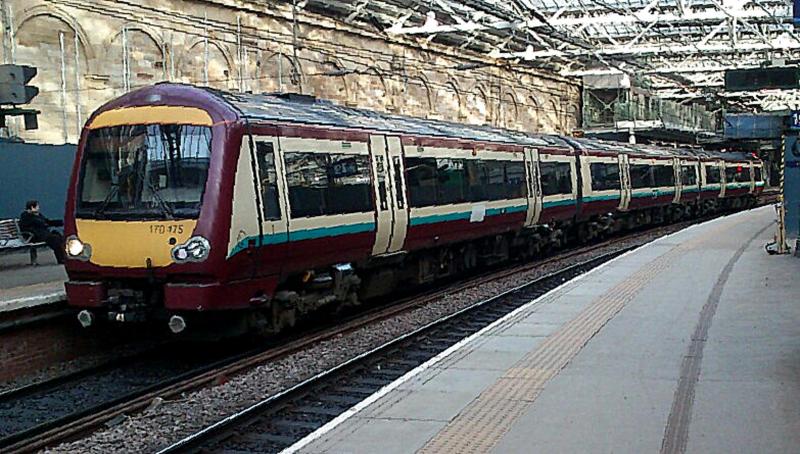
pixel 328 184
pixel 604 176
pixel 641 176
pixel 730 174
pixel 265 154
pixel 398 183
pixel 556 178
pixel 664 176
pixel 688 175
pixel 515 180
pixel 738 174
pixel 712 175
pixel 450 181
pixel 380 166
pixel 445 181
pixel 493 180
pixel 743 174
pixel 421 181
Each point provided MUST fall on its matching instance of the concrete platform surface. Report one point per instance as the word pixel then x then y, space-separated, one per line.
pixel 688 344
pixel 23 285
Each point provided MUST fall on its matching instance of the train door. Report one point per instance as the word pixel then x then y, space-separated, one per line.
pixel 752 179
pixel 722 177
pixel 678 172
pixel 389 182
pixel 700 175
pixel 380 181
pixel 625 182
pixel 534 187
pixel 398 184
pixel 273 211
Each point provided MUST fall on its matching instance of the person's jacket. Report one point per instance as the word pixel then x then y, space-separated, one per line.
pixel 36 224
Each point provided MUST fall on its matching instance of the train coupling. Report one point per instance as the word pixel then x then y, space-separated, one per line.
pixel 127 309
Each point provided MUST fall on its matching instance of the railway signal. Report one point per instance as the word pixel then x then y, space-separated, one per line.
pixel 15 91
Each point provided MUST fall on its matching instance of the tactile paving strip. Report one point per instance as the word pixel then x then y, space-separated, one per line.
pixel 487 418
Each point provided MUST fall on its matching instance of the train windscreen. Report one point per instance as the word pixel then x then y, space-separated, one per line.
pixel 144 172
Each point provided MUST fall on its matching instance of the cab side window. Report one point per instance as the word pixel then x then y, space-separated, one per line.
pixel 265 154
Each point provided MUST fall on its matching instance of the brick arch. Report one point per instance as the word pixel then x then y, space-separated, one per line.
pixel 36 39
pixel 450 101
pixel 572 118
pixel 147 57
pixel 149 31
pixel 374 92
pixel 478 106
pixel 289 78
pixel 531 114
pixel 509 110
pixel 550 114
pixel 334 64
pixel 194 73
pixel 418 100
pixel 57 13
pixel 319 70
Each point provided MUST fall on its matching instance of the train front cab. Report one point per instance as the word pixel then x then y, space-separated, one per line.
pixel 141 223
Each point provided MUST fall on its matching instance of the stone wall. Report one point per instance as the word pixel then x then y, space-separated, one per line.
pixel 90 51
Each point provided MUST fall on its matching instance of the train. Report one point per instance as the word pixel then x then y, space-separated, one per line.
pixel 196 207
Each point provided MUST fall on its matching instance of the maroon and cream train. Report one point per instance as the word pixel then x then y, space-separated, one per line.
pixel 192 204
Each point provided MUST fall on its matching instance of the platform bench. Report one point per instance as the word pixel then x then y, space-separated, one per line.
pixel 12 239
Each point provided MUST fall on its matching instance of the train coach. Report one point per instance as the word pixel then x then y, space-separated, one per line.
pixel 242 212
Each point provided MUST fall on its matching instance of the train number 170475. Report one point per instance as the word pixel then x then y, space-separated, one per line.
pixel 163 229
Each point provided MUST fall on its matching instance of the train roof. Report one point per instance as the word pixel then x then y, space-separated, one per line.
pixel 305 109
pixel 312 111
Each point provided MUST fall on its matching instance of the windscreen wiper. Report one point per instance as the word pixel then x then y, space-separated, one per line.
pixel 111 193
pixel 165 208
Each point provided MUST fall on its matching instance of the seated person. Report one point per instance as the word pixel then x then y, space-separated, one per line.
pixel 33 222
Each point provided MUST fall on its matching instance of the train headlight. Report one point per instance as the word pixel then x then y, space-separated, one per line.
pixel 194 250
pixel 77 249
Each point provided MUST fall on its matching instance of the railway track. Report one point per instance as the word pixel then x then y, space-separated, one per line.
pixel 28 432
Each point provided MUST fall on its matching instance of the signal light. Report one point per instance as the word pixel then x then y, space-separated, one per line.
pixel 14 88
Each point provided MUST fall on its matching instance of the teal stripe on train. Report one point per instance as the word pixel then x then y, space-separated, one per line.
pixel 558 203
pixel 653 194
pixel 321 232
pixel 598 198
pixel 461 215
pixel 306 234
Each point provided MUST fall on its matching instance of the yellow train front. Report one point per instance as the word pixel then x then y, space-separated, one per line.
pixel 147 206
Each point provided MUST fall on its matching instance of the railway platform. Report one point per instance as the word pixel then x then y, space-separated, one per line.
pixel 23 285
pixel 688 344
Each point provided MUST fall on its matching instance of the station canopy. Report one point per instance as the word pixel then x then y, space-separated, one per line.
pixel 679 49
